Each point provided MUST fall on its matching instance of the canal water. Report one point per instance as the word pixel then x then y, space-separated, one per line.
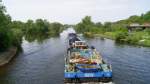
pixel 43 63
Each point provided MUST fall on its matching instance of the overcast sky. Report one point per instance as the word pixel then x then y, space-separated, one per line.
pixel 72 11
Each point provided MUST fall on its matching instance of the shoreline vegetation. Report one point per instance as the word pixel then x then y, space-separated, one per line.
pixel 134 38
pixel 123 41
pixel 12 32
pixel 118 31
pixel 141 38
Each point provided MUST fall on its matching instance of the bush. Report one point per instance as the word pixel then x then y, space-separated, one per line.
pixel 121 36
pixel 147 43
pixel 132 40
pixel 147 30
pixel 5 40
pixel 88 34
pixel 110 35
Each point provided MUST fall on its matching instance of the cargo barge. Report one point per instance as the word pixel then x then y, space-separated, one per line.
pixel 84 64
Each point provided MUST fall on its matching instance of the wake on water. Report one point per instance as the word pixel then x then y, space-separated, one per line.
pixel 65 33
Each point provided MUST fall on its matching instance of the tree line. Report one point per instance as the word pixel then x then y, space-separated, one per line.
pixel 12 32
pixel 87 25
pixel 117 30
pixel 39 29
pixel 7 37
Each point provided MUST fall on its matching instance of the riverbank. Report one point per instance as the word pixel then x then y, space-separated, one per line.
pixel 6 56
pixel 104 36
pixel 135 38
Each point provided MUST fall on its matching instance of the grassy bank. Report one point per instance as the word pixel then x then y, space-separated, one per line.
pixel 118 30
pixel 105 35
pixel 141 38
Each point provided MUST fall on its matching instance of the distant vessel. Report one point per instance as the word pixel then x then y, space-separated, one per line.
pixel 84 64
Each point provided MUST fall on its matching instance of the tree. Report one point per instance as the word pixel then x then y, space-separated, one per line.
pixel 5 32
pixel 55 28
pixel 99 24
pixel 134 19
pixel 41 26
pixel 85 25
pixel 107 26
pixel 146 17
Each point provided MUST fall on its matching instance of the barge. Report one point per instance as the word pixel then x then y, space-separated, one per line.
pixel 84 64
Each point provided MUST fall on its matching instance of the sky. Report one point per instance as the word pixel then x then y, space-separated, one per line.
pixel 72 11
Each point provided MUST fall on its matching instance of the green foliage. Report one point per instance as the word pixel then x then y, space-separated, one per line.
pixel 146 43
pixel 29 27
pixel 147 30
pixel 107 26
pixel 10 33
pixel 146 17
pixel 134 19
pixel 41 26
pixel 5 32
pixel 85 25
pixel 55 28
pixel 17 37
pixel 111 35
pixel 118 27
pixel 40 29
pixel 137 19
pixel 120 36
pixel 6 40
pixel 35 30
pixel 99 24
pixel 117 30
pixel 88 34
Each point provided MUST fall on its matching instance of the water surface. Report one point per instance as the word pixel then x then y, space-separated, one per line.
pixel 43 63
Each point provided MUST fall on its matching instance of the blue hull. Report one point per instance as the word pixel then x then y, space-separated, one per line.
pixel 88 75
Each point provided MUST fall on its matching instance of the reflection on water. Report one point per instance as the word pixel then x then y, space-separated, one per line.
pixel 37 37
pixel 44 63
pixel 39 64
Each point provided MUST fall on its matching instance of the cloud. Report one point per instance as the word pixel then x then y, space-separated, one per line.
pixel 72 11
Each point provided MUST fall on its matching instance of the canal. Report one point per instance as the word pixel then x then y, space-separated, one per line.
pixel 43 63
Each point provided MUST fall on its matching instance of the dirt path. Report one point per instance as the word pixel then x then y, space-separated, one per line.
pixel 6 56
